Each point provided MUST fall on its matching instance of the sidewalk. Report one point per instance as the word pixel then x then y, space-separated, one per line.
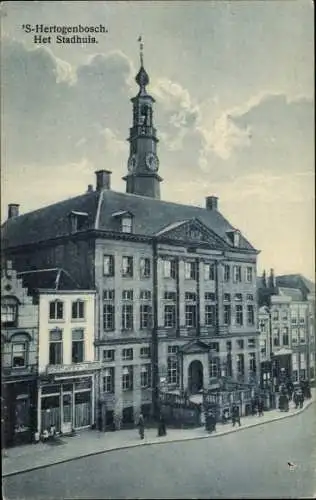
pixel 85 443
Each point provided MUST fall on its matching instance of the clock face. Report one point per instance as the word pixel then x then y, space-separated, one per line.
pixel 152 162
pixel 132 162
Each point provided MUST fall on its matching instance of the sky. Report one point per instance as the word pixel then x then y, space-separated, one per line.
pixel 234 89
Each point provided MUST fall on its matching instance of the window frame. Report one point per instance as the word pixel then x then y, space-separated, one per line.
pixel 24 351
pixel 78 344
pixel 127 269
pixel 75 308
pixel 54 314
pixel 127 378
pixel 111 265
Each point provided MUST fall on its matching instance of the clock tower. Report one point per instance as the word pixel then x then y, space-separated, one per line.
pixel 143 163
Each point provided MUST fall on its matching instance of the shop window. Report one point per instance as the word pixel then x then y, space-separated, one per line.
pixel 77 355
pixel 19 354
pixel 55 347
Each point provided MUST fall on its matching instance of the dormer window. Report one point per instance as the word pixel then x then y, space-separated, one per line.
pixel 234 237
pixel 78 221
pixel 125 221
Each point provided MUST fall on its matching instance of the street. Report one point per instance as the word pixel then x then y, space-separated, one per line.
pixel 248 464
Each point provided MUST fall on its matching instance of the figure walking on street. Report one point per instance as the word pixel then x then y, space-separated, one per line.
pixel 260 407
pixel 235 415
pixel 141 426
pixel 162 426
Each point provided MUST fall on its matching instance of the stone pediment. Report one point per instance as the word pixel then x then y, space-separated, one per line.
pixel 194 347
pixel 191 231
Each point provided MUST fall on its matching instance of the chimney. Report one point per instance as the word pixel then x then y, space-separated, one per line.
pixel 211 202
pixel 90 188
pixel 103 179
pixel 13 210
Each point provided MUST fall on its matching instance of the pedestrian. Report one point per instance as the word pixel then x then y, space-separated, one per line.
pixel 301 399
pixel 141 426
pixel 235 415
pixel 260 407
pixel 296 399
pixel 161 426
pixel 225 415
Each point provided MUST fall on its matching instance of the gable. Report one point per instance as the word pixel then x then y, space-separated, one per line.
pixel 192 231
pixel 193 347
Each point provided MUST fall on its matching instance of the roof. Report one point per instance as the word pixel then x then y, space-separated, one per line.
pixel 297 281
pixel 47 279
pixel 150 217
pixel 294 293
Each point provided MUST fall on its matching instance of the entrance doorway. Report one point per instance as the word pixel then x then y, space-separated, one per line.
pixel 195 376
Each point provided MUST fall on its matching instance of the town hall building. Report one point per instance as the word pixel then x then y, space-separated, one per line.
pixel 175 284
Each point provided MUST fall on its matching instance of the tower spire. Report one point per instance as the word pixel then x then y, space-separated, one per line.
pixel 141 50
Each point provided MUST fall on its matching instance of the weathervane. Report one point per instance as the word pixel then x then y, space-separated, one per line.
pixel 141 48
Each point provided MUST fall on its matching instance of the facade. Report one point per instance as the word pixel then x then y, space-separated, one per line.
pixel 176 284
pixel 19 355
pixel 66 360
pixel 287 335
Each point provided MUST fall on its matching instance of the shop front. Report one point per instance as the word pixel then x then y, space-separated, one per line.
pixel 18 412
pixel 66 402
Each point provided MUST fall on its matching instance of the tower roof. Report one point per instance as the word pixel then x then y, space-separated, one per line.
pixel 142 78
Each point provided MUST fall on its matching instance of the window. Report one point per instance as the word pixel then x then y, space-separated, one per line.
pixel 55 347
pixel 249 274
pixel 294 320
pixel 170 316
pixel 226 272
pixel 214 346
pixel 145 295
pixel 210 297
pixel 77 345
pixel 285 335
pixel 173 369
pixel 145 268
pixel 252 343
pixel 127 354
pixel 276 337
pixel 302 320
pixel 126 224
pixel 227 314
pixel 238 296
pixel 109 380
pixel 169 268
pixel 127 295
pixel 302 334
pixel 239 316
pixel 108 310
pixel 240 364
pixel 77 309
pixel 56 310
pixel 190 310
pixel 190 270
pixel 108 265
pixel 249 296
pixel 250 314
pixel 109 355
pixel 18 354
pixel 127 317
pixel 145 316
pixel 108 294
pixel 145 376
pixel 226 297
pixel 214 367
pixel 252 362
pixel 229 345
pixel 145 352
pixel 9 309
pixel 127 378
pixel 294 335
pixel 275 315
pixel 240 344
pixel 209 272
pixel 210 314
pixel 127 267
pixel 237 274
pixel 285 315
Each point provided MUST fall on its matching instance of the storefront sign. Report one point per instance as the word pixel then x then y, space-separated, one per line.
pixel 78 367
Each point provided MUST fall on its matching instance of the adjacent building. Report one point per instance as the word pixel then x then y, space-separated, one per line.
pixel 19 356
pixel 287 330
pixel 176 284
